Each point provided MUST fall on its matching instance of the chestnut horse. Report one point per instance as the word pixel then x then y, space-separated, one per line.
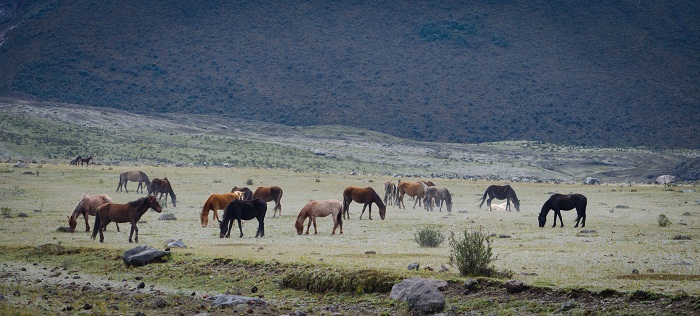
pixel 133 176
pixel 320 208
pixel 243 210
pixel 216 202
pixel 413 189
pixel 501 192
pixel 121 213
pixel 245 193
pixel 273 193
pixel 559 202
pixel 440 195
pixel 86 207
pixel 367 196
pixel 162 187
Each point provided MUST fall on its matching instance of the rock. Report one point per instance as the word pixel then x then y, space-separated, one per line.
pixel 414 266
pixel 143 255
pixel 422 295
pixel 172 243
pixel 471 284
pixel 503 236
pixel 515 286
pixel 22 214
pixel 681 237
pixel 567 306
pixel 635 271
pixel 141 285
pixel 370 252
pixel 167 217
pixel 223 299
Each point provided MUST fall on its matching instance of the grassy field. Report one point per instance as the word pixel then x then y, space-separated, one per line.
pixel 627 235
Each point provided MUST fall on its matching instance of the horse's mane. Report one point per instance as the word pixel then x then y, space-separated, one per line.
pixel 138 203
pixel 512 193
pixel 78 207
pixel 377 199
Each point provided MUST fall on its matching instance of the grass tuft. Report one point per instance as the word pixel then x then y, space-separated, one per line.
pixel 319 280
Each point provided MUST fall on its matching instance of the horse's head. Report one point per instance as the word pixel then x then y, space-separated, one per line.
pixel 382 211
pixel 516 203
pixel 153 203
pixel 542 219
pixel 72 223
pixel 174 196
pixel 299 226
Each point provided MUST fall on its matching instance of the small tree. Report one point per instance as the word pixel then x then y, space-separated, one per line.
pixel 429 237
pixel 472 255
pixel 664 221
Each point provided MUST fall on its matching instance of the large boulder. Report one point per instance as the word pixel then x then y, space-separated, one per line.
pixel 422 295
pixel 143 255
pixel 223 299
pixel 665 179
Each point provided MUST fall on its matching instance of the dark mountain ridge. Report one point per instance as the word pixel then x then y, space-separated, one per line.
pixel 610 73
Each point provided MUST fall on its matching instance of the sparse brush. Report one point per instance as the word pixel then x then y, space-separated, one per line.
pixel 6 212
pixel 472 254
pixel 429 237
pixel 664 221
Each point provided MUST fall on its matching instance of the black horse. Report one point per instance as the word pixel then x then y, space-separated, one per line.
pixel 243 210
pixel 247 193
pixel 559 202
pixel 501 192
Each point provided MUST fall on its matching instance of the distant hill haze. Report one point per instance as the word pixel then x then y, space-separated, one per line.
pixel 596 73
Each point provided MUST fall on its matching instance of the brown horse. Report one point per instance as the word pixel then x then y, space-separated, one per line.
pixel 559 202
pixel 133 176
pixel 390 192
pixel 273 193
pixel 245 193
pixel 162 187
pixel 501 192
pixel 86 161
pixel 216 202
pixel 87 206
pixel 413 189
pixel 121 213
pixel 440 195
pixel 367 196
pixel 320 208
pixel 75 161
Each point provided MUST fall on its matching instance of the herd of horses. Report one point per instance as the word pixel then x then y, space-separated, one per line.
pixel 244 204
pixel 79 161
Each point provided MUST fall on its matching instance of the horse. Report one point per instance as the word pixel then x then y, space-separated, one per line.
pixel 367 196
pixel 75 161
pixel 389 192
pixel 243 210
pixel 273 193
pixel 133 176
pixel 87 206
pixel 320 208
pixel 499 207
pixel 86 161
pixel 413 189
pixel 216 202
pixel 121 213
pixel 501 192
pixel 245 193
pixel 441 195
pixel 162 187
pixel 559 202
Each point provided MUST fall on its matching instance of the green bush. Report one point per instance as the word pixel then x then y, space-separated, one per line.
pixel 6 212
pixel 472 255
pixel 429 237
pixel 664 221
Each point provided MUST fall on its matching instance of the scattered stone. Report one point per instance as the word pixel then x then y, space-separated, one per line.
pixel 515 286
pixel 172 243
pixel 160 303
pixel 503 236
pixel 567 306
pixel 635 271
pixel 681 237
pixel 141 285
pixel 683 263
pixel 22 214
pixel 370 252
pixel 167 217
pixel 421 294
pixel 650 270
pixel 143 255
pixel 471 285
pixel 87 306
pixel 63 229
pixel 414 266
pixel 223 299
pixel 688 213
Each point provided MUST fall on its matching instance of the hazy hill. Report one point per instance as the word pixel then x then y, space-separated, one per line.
pixel 610 73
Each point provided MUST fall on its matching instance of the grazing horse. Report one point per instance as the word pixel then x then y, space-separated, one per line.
pixel 320 208
pixel 243 210
pixel 75 161
pixel 245 193
pixel 133 176
pixel 389 192
pixel 559 202
pixel 367 196
pixel 216 202
pixel 86 161
pixel 273 193
pixel 162 187
pixel 87 206
pixel 121 213
pixel 440 195
pixel 413 189
pixel 501 192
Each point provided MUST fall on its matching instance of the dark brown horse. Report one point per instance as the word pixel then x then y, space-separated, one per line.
pixel 366 196
pixel 501 192
pixel 390 192
pixel 86 207
pixel 162 187
pixel 243 210
pixel 273 193
pixel 133 176
pixel 440 196
pixel 216 202
pixel 85 161
pixel 320 208
pixel 121 213
pixel 75 161
pixel 245 193
pixel 560 202
pixel 413 189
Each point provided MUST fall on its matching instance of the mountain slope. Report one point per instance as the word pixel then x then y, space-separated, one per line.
pixel 608 74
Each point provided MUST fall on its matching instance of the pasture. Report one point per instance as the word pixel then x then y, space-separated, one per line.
pixel 627 236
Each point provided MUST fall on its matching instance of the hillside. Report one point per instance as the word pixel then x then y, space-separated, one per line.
pixel 610 73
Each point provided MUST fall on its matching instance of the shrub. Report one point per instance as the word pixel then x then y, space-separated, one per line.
pixel 664 221
pixel 6 212
pixel 472 255
pixel 429 237
pixel 249 182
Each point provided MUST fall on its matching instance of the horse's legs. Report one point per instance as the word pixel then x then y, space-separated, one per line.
pixel 134 229
pixel 363 211
pixel 488 203
pixel 240 227
pixel 558 213
pixel 401 200
pixel 416 202
pixel 508 204
pixel 261 227
pixel 309 226
pixel 315 231
pixel 87 225
pixel 278 207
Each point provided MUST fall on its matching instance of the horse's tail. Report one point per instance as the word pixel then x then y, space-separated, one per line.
pixel 340 218
pixel 96 226
pixel 483 198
